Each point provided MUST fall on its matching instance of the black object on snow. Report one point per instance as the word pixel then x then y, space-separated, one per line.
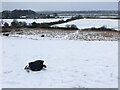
pixel 35 66
pixel 6 34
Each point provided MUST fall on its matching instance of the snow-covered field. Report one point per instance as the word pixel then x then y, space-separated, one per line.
pixel 28 21
pixel 55 34
pixel 0 63
pixel 70 63
pixel 88 23
pixel 81 23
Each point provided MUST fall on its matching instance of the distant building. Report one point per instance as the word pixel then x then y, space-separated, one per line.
pixel 23 17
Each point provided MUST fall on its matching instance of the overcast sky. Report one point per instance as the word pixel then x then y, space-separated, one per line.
pixel 60 6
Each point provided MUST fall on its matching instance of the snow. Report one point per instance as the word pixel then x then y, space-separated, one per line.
pixel 70 63
pixel 88 23
pixel 0 63
pixel 28 21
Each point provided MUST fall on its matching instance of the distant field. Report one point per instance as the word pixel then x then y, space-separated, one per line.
pixel 80 23
pixel 87 35
pixel 89 23
pixel 28 21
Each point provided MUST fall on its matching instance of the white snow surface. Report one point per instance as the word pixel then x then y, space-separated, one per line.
pixel 88 23
pixel 70 63
pixel 1 63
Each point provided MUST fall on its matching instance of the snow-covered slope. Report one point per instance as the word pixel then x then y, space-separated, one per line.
pixel 0 63
pixel 70 63
pixel 88 23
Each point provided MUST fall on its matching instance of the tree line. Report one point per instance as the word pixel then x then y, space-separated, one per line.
pixel 18 24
